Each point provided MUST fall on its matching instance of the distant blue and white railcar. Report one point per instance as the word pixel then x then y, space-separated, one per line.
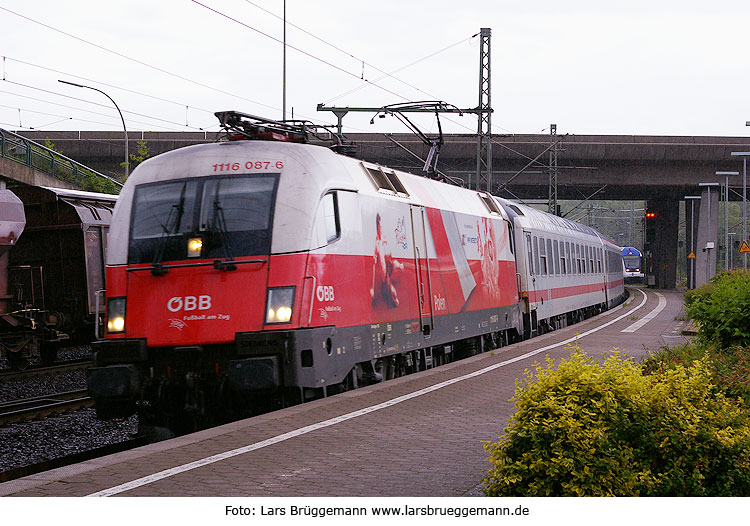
pixel 632 261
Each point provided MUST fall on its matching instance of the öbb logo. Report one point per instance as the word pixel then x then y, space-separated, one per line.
pixel 325 293
pixel 189 303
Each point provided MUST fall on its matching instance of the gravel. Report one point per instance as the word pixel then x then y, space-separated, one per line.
pixel 29 443
pixel 33 442
pixel 42 385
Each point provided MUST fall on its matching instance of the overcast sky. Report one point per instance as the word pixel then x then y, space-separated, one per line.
pixel 641 67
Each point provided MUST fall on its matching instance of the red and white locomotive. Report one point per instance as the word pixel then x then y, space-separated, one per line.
pixel 249 272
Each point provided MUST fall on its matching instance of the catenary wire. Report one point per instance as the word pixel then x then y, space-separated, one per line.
pixel 97 104
pixel 218 89
pixel 364 62
pixel 338 68
pixel 182 104
pixel 140 62
pixel 75 118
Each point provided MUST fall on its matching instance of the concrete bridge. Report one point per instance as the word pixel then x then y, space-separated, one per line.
pixel 661 170
pixel 30 163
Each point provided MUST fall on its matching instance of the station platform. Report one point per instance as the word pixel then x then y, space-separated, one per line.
pixel 420 435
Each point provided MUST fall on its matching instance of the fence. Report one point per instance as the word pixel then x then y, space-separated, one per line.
pixel 39 157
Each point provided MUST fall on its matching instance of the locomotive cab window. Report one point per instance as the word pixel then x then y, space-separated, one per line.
pixel 330 210
pixel 202 217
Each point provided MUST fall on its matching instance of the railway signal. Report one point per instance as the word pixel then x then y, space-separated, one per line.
pixel 650 224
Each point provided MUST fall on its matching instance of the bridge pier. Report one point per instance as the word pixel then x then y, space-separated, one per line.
pixel 706 248
pixel 663 248
pixel 692 207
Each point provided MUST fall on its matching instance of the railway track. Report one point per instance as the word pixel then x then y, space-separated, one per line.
pixel 41 370
pixel 43 406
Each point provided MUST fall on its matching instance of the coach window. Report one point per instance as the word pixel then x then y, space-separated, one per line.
pixel 536 256
pixel 578 259
pixel 550 259
pixel 571 263
pixel 586 264
pixel 557 257
pixel 584 258
pixel 591 260
pixel 542 257
pixel 571 257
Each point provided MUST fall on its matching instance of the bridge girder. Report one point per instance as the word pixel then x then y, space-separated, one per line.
pixel 659 170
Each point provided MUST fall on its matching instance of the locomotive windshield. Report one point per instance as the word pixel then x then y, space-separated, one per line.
pixel 231 216
pixel 632 261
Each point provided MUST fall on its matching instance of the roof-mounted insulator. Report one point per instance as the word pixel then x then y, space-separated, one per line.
pixel 241 126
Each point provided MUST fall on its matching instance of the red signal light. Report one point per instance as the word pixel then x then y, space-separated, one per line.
pixel 650 215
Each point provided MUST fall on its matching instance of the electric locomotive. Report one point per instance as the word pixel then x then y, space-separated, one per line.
pixel 253 273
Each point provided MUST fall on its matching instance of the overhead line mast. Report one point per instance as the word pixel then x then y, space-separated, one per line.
pixel 483 174
pixel 484 114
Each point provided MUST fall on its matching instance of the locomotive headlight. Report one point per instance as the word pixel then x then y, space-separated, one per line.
pixel 116 315
pixel 194 247
pixel 279 305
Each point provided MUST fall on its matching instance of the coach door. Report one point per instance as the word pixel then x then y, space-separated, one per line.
pixel 532 271
pixel 422 266
pixel 603 270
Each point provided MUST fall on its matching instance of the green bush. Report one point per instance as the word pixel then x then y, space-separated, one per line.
pixel 730 367
pixel 601 429
pixel 722 309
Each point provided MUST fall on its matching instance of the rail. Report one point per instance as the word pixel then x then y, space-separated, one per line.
pixel 34 155
pixel 7 375
pixel 43 406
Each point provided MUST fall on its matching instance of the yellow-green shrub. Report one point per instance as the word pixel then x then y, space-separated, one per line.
pixel 596 429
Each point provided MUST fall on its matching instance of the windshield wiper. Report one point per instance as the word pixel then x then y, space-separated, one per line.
pixel 172 225
pixel 220 221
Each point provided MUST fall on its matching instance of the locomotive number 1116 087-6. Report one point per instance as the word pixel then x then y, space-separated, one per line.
pixel 247 165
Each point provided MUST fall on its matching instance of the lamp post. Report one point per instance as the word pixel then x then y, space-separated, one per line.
pixel 726 216
pixel 744 156
pixel 283 75
pixel 127 158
